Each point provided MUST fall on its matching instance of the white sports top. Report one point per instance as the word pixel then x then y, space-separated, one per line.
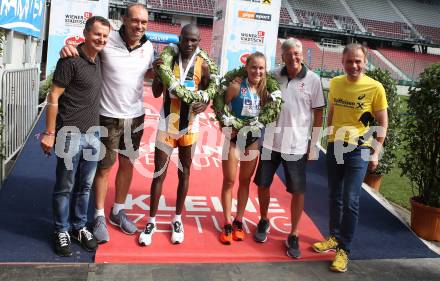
pixel 123 77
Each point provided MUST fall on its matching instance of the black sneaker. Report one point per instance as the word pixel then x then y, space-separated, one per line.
pixel 292 244
pixel 85 238
pixel 61 242
pixel 260 234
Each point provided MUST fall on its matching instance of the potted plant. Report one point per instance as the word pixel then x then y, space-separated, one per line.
pixel 388 160
pixel 421 162
pixel 45 88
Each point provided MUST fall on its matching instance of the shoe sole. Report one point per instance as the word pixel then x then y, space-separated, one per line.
pixel 225 242
pixel 102 241
pixel 144 244
pixel 289 255
pixel 338 270
pixel 265 239
pixel 64 255
pixel 326 251
pixel 235 238
pixel 83 246
pixel 115 224
pixel 295 257
pixel 260 241
pixel 176 242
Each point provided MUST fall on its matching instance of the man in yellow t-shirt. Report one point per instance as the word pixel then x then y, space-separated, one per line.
pixel 355 100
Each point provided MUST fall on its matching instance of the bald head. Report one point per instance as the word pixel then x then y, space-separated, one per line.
pixel 190 29
pixel 135 23
pixel 133 8
pixel 189 40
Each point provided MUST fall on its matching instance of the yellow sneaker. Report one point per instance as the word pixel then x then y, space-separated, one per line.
pixel 327 245
pixel 340 262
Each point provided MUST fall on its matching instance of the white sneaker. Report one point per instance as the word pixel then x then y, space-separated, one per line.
pixel 177 232
pixel 147 234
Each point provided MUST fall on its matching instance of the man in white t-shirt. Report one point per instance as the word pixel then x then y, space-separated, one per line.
pixel 126 61
pixel 288 143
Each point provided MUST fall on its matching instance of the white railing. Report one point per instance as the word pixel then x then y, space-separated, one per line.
pixel 19 109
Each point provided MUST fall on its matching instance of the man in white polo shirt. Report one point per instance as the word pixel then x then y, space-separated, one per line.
pixel 288 143
pixel 125 62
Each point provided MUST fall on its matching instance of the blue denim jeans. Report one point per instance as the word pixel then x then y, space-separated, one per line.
pixel 77 159
pixel 345 182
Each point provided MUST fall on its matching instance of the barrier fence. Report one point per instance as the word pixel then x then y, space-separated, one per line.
pixel 19 110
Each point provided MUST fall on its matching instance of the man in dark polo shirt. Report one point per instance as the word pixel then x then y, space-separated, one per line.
pixel 73 118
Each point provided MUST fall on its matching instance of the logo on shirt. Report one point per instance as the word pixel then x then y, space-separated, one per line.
pixel 243 91
pixel 361 97
pixel 349 104
pixel 359 105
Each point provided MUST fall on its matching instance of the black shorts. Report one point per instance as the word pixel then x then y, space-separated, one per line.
pixel 249 140
pixel 294 166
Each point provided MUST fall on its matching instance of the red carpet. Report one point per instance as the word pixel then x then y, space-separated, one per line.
pixel 202 216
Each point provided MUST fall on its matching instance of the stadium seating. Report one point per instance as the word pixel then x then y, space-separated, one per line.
pixel 411 63
pixel 203 7
pixel 315 18
pixel 377 16
pixel 321 6
pixel 205 33
pixel 378 10
pixel 329 60
pixel 419 12
pixel 377 62
pixel 380 19
pixel 424 17
pixel 431 34
pixel 315 13
pixel 397 30
pixel 284 16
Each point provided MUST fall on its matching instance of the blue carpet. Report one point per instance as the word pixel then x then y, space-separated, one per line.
pixel 26 209
pixel 379 235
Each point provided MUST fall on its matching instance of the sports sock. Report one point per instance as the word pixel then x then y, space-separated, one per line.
pixel 177 218
pixel 152 220
pixel 117 207
pixel 99 212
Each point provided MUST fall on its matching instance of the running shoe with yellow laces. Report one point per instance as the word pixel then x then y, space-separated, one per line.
pixel 340 262
pixel 237 232
pixel 329 244
pixel 226 234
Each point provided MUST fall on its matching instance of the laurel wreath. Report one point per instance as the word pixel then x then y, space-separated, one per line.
pixel 166 76
pixel 268 113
